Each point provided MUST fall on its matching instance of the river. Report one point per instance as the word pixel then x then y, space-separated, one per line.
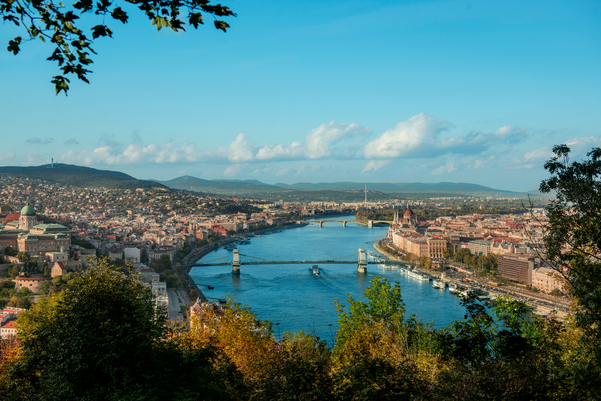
pixel 298 300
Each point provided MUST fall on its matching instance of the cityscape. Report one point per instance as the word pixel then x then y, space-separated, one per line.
pixel 302 200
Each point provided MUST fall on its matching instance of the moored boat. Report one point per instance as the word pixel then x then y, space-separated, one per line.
pixel 441 285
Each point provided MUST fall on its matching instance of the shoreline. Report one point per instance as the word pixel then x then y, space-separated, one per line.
pixel 491 292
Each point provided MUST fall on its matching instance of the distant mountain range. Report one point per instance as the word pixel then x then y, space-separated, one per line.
pixel 414 187
pixel 247 186
pixel 79 176
pixel 89 177
pixel 218 186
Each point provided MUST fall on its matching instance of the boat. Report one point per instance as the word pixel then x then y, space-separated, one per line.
pixel 452 288
pixel 231 247
pixel 315 270
pixel 403 270
pixel 210 287
pixel 441 285
pixel 222 301
pixel 418 276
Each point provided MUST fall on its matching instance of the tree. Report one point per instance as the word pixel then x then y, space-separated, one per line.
pixel 46 270
pixel 13 271
pixel 23 256
pixel 9 251
pixel 54 22
pixel 572 242
pixel 97 340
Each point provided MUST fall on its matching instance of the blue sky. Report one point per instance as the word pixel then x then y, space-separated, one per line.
pixel 365 91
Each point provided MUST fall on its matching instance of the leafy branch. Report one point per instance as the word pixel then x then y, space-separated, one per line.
pixel 56 23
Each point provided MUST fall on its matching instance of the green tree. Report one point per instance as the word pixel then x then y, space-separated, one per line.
pixel 13 271
pixel 572 242
pixel 9 251
pixel 96 340
pixel 46 270
pixel 59 24
pixel 23 256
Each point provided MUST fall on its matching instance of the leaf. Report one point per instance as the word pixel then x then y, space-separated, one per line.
pixel 60 84
pixel 13 45
pixel 221 25
pixel 195 19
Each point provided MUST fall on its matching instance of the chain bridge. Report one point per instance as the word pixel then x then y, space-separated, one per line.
pixel 370 223
pixel 237 259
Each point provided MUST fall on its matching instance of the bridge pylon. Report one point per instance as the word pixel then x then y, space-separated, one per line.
pixel 370 223
pixel 236 262
pixel 362 265
pixel 343 223
pixel 320 223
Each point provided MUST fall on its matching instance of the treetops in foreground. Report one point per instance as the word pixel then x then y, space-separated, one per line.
pixel 58 23
pixel 100 339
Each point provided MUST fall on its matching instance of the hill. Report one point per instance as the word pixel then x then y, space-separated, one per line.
pixel 232 187
pixel 401 187
pixel 79 176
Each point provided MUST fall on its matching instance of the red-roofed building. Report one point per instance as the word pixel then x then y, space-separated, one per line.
pixel 58 269
pixel 9 329
pixel 218 229
pixel 11 217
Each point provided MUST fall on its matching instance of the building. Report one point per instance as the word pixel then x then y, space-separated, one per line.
pixel 58 269
pixel 547 280
pixel 26 235
pixel 33 283
pixel 518 268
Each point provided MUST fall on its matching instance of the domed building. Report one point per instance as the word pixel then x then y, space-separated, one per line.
pixel 37 239
pixel 28 218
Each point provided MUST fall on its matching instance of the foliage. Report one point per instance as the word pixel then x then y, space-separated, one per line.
pixel 58 24
pixel 81 243
pixel 9 251
pixel 23 256
pixel 162 264
pixel 573 240
pixel 13 271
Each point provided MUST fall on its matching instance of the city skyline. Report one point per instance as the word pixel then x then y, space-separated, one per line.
pixel 322 92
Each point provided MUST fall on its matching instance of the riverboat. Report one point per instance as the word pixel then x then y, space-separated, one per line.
pixel 418 276
pixel 315 270
pixel 403 270
pixel 441 285
pixel 231 247
pixel 210 287
pixel 452 288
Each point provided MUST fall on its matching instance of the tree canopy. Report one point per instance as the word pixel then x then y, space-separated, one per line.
pixel 572 241
pixel 60 25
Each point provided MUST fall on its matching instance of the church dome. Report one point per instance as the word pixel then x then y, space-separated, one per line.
pixel 28 210
pixel 408 213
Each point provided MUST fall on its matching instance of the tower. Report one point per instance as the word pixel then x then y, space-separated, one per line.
pixel 365 194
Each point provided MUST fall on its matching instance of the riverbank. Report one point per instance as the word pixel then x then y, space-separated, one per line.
pixel 531 299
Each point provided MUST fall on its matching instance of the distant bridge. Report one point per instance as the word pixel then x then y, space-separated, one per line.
pixel 237 259
pixel 370 223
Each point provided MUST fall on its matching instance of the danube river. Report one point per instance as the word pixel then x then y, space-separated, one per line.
pixel 298 300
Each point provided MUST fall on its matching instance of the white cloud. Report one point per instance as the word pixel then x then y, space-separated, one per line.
pixel 233 169
pixel 375 165
pixel 318 144
pixel 7 157
pixel 409 138
pixel 447 169
pixel 421 137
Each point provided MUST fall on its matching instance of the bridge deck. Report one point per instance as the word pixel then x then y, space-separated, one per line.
pixel 300 262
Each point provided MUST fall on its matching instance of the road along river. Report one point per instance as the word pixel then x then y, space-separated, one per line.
pixel 299 300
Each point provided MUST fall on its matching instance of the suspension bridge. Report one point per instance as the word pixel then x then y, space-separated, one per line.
pixel 370 223
pixel 237 259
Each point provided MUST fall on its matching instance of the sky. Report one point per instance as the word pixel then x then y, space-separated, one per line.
pixel 321 91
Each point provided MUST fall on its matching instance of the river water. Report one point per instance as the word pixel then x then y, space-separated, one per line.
pixel 298 300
